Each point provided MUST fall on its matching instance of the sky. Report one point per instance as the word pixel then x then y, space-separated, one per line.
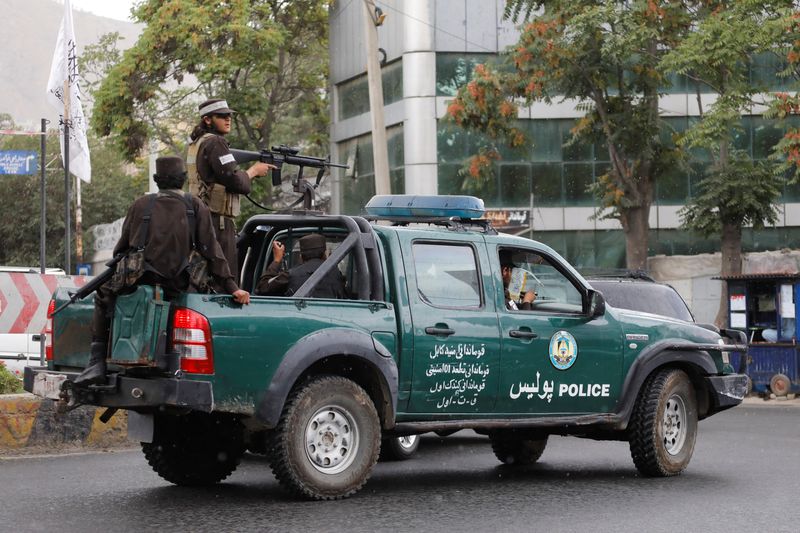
pixel 115 9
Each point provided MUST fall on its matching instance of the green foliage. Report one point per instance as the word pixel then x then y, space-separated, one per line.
pixel 604 56
pixel 9 383
pixel 268 58
pixel 717 54
pixel 785 105
pixel 740 194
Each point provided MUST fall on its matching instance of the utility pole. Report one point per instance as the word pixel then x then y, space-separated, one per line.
pixel 380 152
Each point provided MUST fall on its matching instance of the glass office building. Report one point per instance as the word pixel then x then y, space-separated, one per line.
pixel 428 51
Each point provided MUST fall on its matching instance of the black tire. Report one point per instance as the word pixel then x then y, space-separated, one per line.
pixel 195 450
pixel 663 426
pixel 256 442
pixel 327 411
pixel 399 448
pixel 517 450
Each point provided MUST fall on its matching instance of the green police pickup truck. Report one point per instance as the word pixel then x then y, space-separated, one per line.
pixel 426 341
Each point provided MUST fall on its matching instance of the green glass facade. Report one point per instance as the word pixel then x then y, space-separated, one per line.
pixel 358 184
pixel 354 94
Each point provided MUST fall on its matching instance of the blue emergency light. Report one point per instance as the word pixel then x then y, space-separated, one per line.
pixel 409 206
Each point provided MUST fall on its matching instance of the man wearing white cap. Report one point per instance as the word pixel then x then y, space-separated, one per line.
pixel 215 177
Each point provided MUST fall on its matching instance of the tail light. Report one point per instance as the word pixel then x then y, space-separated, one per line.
pixel 48 331
pixel 191 339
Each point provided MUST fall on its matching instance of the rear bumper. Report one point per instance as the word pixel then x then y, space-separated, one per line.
pixel 726 391
pixel 124 392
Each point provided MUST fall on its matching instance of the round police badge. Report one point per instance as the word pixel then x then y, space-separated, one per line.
pixel 563 350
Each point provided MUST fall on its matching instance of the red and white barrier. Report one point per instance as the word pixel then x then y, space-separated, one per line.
pixel 24 299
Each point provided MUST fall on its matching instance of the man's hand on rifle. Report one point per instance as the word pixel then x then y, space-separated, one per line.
pixel 259 169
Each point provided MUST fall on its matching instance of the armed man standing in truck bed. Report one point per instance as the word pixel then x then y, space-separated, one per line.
pixel 214 176
pixel 157 236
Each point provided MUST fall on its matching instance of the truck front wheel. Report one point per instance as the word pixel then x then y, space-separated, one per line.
pixel 399 448
pixel 327 440
pixel 515 450
pixel 663 426
pixel 196 449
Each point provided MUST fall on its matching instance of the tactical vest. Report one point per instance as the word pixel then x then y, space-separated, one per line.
pixel 214 195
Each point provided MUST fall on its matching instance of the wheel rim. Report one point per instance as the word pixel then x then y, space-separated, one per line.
pixel 673 425
pixel 331 439
pixel 407 441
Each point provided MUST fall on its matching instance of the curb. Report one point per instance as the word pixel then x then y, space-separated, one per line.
pixel 28 422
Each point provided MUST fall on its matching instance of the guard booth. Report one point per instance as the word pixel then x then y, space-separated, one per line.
pixel 765 307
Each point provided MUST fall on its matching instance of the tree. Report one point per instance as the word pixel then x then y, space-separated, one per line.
pixel 604 56
pixel 785 106
pixel 268 58
pixel 717 55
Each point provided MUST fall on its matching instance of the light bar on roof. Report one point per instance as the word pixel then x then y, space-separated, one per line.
pixel 394 206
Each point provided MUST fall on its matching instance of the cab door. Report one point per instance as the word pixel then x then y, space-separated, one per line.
pixel 555 358
pixel 456 335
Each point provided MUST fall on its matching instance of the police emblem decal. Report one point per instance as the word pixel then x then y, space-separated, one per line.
pixel 563 350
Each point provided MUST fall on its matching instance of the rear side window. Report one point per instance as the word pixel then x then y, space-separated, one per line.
pixel 447 275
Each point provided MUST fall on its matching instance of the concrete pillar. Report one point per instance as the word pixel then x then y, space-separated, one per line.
pixel 419 94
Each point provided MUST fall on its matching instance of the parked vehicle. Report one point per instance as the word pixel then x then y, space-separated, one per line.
pixel 639 292
pixel 426 343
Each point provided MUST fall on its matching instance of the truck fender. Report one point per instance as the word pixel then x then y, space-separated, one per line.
pixel 313 348
pixel 654 356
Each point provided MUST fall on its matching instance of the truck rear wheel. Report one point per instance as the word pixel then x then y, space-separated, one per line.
pixel 663 426
pixel 196 449
pixel 327 440
pixel 516 450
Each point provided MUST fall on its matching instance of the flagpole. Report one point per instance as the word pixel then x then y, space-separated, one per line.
pixel 64 79
pixel 67 192
pixel 78 225
pixel 43 199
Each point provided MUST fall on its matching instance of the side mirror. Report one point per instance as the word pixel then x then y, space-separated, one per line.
pixel 597 304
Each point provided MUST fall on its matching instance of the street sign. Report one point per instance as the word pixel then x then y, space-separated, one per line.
pixel 19 162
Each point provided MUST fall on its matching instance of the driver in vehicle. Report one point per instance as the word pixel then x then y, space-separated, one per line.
pixel 525 301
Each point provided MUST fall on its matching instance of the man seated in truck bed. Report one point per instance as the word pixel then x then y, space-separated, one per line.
pixel 277 281
pixel 163 253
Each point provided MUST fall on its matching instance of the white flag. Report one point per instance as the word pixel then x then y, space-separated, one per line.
pixel 64 94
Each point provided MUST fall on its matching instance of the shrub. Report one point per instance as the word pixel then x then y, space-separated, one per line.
pixel 9 383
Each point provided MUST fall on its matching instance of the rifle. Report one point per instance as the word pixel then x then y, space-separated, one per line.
pixel 95 284
pixel 286 155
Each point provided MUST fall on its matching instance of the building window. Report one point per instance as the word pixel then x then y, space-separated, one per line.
pixel 454 70
pixel 357 184
pixel 354 94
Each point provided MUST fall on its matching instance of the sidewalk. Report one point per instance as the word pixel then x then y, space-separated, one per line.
pixel 30 425
pixel 774 402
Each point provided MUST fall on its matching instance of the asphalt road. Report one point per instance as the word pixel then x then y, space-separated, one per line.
pixel 744 476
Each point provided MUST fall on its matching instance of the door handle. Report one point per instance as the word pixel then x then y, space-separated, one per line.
pixel 446 332
pixel 519 334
